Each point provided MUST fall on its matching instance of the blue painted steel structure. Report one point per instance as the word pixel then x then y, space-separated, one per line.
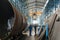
pixel 47 32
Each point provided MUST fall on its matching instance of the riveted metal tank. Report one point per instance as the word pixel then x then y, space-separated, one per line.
pixel 10 25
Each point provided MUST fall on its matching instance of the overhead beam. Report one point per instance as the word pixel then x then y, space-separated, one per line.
pixel 45 5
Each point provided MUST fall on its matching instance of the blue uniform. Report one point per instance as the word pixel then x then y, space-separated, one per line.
pixel 30 29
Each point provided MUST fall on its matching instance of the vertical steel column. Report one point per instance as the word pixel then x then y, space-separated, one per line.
pixel 47 31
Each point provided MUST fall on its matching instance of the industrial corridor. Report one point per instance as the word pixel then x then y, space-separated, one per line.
pixel 29 19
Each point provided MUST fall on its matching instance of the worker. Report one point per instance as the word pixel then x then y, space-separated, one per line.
pixel 30 29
